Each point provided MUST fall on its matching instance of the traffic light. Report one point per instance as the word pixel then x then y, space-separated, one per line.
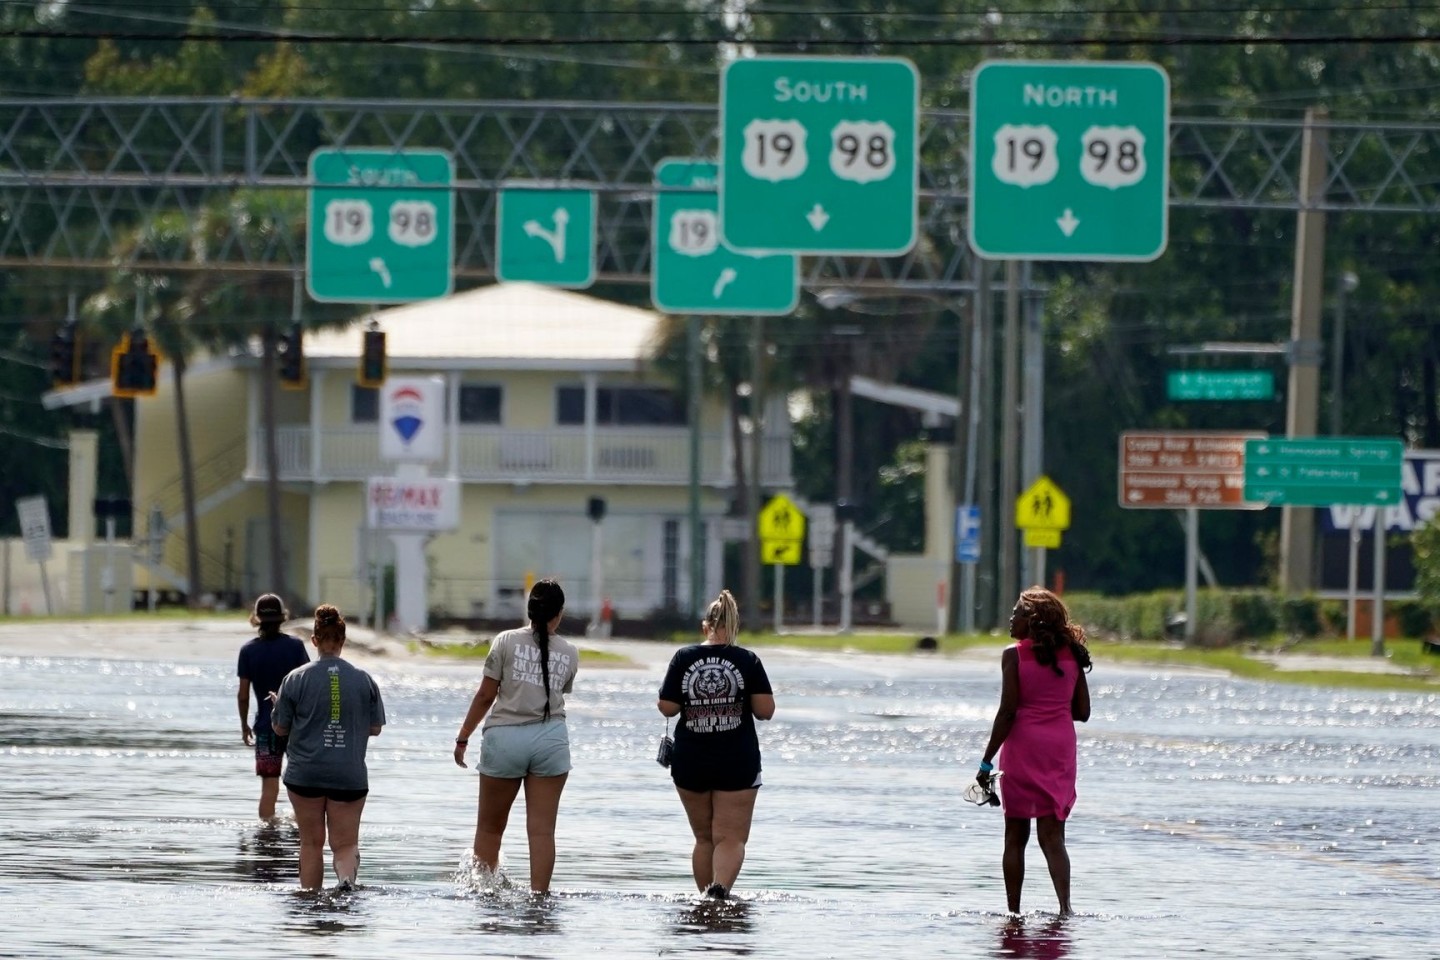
pixel 133 366
pixel 293 374
pixel 372 361
pixel 65 357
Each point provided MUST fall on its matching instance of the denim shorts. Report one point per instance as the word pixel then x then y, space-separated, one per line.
pixel 514 752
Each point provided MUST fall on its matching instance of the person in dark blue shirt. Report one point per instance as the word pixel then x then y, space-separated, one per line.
pixel 718 690
pixel 264 662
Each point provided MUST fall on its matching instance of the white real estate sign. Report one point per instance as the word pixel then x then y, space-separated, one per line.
pixel 412 419
pixel 34 527
pixel 413 505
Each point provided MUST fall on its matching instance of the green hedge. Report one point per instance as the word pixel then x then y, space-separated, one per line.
pixel 1228 616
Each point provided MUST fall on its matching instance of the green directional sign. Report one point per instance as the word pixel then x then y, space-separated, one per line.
pixel 1069 160
pixel 1323 471
pixel 694 270
pixel 818 154
pixel 546 236
pixel 1220 385
pixel 381 225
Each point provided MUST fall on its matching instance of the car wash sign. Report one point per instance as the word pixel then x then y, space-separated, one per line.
pixel 422 505
pixel 1419 501
pixel 412 419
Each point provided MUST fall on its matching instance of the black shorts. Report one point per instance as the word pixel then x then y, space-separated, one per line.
pixel 327 793
pixel 702 778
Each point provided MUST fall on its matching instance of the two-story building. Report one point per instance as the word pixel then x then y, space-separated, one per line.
pixel 552 399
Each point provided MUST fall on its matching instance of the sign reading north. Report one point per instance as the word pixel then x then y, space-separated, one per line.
pixel 546 236
pixel 819 155
pixel 1069 160
pixel 695 271
pixel 381 225
pixel 412 423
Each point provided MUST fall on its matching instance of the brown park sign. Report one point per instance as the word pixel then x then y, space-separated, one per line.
pixel 1172 471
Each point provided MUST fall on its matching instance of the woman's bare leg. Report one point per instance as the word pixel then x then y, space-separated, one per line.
pixel 310 818
pixel 1017 835
pixel 1051 834
pixel 542 809
pixel 497 796
pixel 342 820
pixel 700 810
pixel 731 830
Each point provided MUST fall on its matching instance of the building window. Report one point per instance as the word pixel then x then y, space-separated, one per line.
pixel 621 407
pixel 364 404
pixel 479 404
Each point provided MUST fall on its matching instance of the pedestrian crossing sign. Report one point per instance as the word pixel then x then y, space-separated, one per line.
pixel 781 520
pixel 1043 506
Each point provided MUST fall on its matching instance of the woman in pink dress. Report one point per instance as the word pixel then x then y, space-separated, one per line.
pixel 1042 693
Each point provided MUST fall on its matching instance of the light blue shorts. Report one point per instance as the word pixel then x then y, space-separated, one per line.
pixel 512 753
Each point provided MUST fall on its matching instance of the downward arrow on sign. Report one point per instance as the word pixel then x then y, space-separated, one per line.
pixel 1068 222
pixel 818 217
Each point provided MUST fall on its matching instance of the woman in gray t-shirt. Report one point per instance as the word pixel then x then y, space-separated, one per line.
pixel 329 709
pixel 525 742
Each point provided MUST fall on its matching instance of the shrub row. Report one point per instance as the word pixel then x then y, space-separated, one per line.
pixel 1227 616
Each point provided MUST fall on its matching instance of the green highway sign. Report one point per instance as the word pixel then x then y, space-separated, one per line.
pixel 381 225
pixel 546 236
pixel 1322 471
pixel 818 155
pixel 1220 385
pixel 697 272
pixel 1069 160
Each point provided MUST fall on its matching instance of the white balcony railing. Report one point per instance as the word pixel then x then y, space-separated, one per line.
pixel 496 455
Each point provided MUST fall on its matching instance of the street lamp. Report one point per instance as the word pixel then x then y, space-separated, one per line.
pixel 1345 284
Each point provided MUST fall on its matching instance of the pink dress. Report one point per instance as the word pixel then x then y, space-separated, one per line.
pixel 1038 756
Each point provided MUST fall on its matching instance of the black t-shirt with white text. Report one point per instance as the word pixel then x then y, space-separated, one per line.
pixel 713 684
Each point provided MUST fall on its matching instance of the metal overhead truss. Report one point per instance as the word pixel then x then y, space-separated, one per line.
pixel 79 176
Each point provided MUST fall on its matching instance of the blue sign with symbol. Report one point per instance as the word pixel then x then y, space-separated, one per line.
pixel 967 533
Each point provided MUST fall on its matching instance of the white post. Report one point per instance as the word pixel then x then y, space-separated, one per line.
pixel 815 574
pixel 941 607
pixel 412 608
pixel 1352 589
pixel 107 576
pixel 597 575
pixel 1192 568
pixel 847 574
pixel 1377 620
pixel 779 597
pixel 44 586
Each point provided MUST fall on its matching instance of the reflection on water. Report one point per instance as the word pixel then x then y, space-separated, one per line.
pixel 1029 938
pixel 127 829
pixel 715 916
pixel 270 852
pixel 325 913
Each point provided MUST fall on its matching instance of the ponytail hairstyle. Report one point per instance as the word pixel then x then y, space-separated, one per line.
pixel 329 627
pixel 546 602
pixel 724 615
pixel 1051 629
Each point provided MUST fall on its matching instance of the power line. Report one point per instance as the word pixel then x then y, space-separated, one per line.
pixel 1149 40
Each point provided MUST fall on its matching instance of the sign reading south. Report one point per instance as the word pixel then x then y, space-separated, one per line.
pixel 381 226
pixel 697 272
pixel 818 155
pixel 1069 161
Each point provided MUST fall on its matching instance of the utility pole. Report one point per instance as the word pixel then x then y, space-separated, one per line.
pixel 1009 437
pixel 751 565
pixel 693 346
pixel 1297 525
pixel 985 495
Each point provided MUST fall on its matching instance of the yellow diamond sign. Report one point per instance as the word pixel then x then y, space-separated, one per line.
pixel 1043 506
pixel 781 520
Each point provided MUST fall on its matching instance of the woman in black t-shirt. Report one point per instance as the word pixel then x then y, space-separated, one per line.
pixel 718 690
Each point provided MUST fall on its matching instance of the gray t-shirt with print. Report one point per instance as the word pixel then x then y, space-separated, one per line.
pixel 329 706
pixel 514 661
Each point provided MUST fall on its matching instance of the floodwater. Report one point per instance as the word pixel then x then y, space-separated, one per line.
pixel 1217 818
